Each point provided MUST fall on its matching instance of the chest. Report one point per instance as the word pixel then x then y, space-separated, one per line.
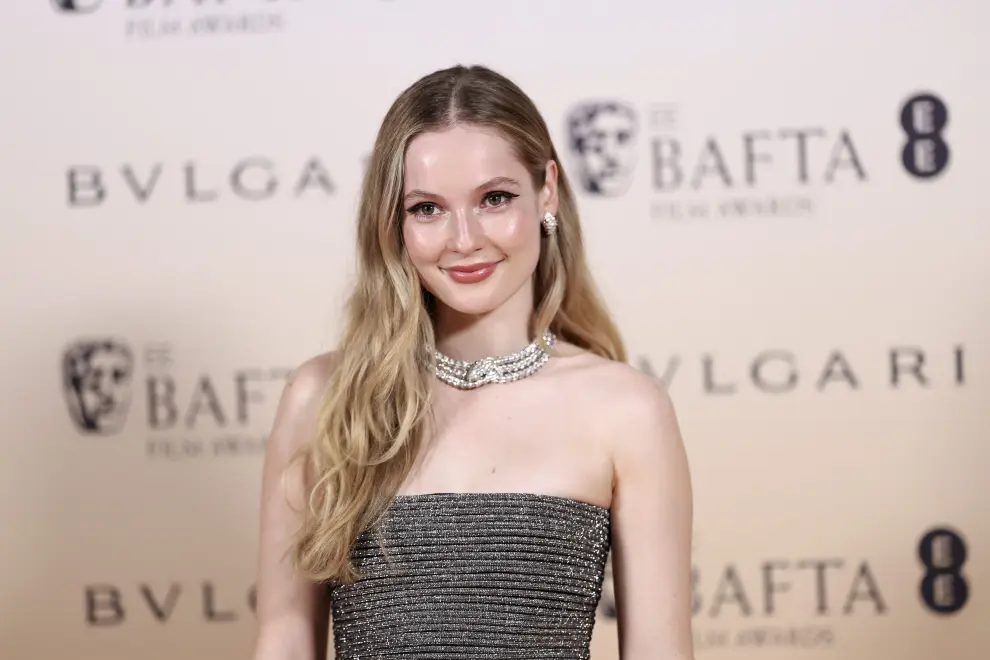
pixel 509 439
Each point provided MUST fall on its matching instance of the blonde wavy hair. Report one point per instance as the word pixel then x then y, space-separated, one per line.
pixel 372 418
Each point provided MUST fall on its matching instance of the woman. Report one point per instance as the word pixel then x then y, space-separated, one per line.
pixel 476 445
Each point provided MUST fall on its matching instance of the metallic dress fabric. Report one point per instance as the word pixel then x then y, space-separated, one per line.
pixel 475 575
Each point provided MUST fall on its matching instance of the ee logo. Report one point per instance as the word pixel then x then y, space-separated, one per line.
pixel 944 588
pixel 923 119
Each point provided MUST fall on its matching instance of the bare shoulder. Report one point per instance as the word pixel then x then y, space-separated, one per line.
pixel 308 381
pixel 299 406
pixel 632 409
pixel 614 390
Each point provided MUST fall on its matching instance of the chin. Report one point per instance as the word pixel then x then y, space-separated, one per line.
pixel 469 305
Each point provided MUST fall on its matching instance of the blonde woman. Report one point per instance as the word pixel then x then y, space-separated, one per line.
pixel 450 481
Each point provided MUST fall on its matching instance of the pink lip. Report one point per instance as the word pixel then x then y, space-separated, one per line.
pixel 472 273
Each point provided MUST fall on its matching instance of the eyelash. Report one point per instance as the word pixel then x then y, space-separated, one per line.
pixel 415 210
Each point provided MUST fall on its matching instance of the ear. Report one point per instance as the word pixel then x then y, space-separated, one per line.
pixel 549 193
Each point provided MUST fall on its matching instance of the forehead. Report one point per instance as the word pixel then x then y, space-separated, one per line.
pixel 460 158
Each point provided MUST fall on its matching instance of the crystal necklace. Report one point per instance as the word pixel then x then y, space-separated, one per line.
pixel 504 369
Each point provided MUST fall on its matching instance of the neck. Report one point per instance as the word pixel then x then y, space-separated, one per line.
pixel 499 332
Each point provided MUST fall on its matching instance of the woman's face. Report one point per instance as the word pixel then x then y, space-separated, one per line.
pixel 472 217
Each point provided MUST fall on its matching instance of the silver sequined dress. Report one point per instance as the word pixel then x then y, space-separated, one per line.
pixel 475 575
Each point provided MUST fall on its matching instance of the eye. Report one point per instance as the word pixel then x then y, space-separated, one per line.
pixel 424 209
pixel 499 198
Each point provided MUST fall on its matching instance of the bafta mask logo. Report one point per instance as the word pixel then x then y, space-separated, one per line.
pixel 77 6
pixel 602 137
pixel 96 381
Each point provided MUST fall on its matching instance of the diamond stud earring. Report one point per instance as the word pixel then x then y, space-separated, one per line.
pixel 549 223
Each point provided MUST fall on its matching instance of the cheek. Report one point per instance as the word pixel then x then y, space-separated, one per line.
pixel 516 234
pixel 422 245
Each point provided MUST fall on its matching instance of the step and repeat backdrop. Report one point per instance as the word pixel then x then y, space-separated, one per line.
pixel 785 203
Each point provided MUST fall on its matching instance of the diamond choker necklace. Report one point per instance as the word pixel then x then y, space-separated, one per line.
pixel 504 369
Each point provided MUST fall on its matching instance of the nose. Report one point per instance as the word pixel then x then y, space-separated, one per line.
pixel 466 235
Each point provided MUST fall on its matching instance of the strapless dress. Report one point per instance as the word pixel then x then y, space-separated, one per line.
pixel 475 575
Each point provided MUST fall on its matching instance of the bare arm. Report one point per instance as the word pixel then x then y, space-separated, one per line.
pixel 652 528
pixel 292 613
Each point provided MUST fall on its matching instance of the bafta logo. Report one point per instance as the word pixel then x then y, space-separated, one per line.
pixel 602 137
pixel 96 381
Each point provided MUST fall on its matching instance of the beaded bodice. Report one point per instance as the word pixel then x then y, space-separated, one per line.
pixel 475 575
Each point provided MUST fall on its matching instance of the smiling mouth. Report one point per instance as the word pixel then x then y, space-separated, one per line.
pixel 471 268
pixel 471 273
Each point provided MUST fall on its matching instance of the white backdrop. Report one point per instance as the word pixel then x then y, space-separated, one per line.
pixel 178 186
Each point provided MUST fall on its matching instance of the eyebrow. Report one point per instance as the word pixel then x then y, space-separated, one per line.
pixel 491 183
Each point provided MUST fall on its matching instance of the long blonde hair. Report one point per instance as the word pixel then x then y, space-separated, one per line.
pixel 371 422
